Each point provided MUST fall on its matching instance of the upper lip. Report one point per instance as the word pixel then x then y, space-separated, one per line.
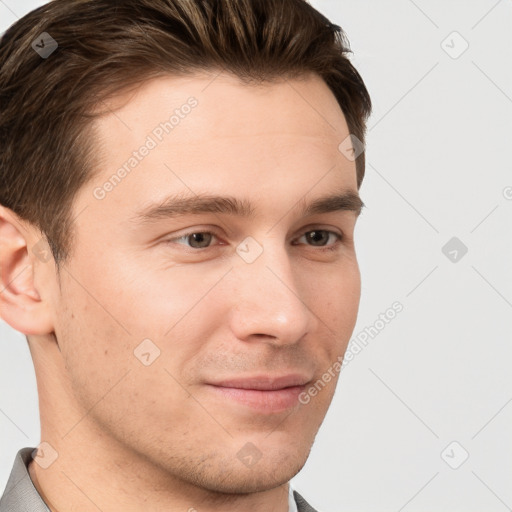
pixel 264 382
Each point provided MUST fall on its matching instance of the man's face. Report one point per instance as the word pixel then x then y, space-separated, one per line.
pixel 147 324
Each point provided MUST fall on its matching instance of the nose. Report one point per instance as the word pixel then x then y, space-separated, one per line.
pixel 269 302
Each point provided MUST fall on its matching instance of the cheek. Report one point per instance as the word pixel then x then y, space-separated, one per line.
pixel 95 359
pixel 159 298
pixel 338 307
pixel 128 336
pixel 95 348
pixel 339 294
pixel 113 386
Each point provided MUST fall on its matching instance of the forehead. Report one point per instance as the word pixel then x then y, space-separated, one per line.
pixel 212 132
pixel 225 103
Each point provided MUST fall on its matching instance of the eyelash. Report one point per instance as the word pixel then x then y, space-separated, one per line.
pixel 333 247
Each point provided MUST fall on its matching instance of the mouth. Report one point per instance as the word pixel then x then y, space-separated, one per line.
pixel 265 394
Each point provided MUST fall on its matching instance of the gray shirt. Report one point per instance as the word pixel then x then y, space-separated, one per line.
pixel 20 495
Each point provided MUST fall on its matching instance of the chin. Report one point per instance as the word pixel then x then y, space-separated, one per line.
pixel 265 474
pixel 251 481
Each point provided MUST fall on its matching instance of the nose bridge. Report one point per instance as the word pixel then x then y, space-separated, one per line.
pixel 267 300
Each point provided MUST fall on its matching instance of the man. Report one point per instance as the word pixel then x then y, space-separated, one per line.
pixel 179 191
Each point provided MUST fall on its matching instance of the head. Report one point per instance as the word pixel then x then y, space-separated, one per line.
pixel 177 209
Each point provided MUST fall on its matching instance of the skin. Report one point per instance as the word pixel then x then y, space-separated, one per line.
pixel 133 437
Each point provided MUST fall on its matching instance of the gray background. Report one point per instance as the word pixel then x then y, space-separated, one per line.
pixel 438 167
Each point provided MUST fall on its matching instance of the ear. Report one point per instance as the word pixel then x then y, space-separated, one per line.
pixel 22 305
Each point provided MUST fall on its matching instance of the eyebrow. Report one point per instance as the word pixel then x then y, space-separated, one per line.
pixel 179 205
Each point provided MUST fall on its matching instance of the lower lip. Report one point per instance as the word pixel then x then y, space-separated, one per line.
pixel 273 401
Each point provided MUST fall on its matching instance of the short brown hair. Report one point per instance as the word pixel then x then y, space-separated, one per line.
pixel 106 47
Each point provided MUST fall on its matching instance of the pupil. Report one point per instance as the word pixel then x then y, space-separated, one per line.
pixel 314 236
pixel 200 238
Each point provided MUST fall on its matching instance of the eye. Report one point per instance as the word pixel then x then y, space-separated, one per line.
pixel 197 239
pixel 320 237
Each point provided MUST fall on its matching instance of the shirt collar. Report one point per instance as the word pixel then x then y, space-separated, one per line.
pixel 292 504
pixel 20 493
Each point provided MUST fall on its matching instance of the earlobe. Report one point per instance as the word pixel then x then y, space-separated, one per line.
pixel 21 304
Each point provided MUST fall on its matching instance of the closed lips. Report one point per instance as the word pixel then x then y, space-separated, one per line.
pixel 264 383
